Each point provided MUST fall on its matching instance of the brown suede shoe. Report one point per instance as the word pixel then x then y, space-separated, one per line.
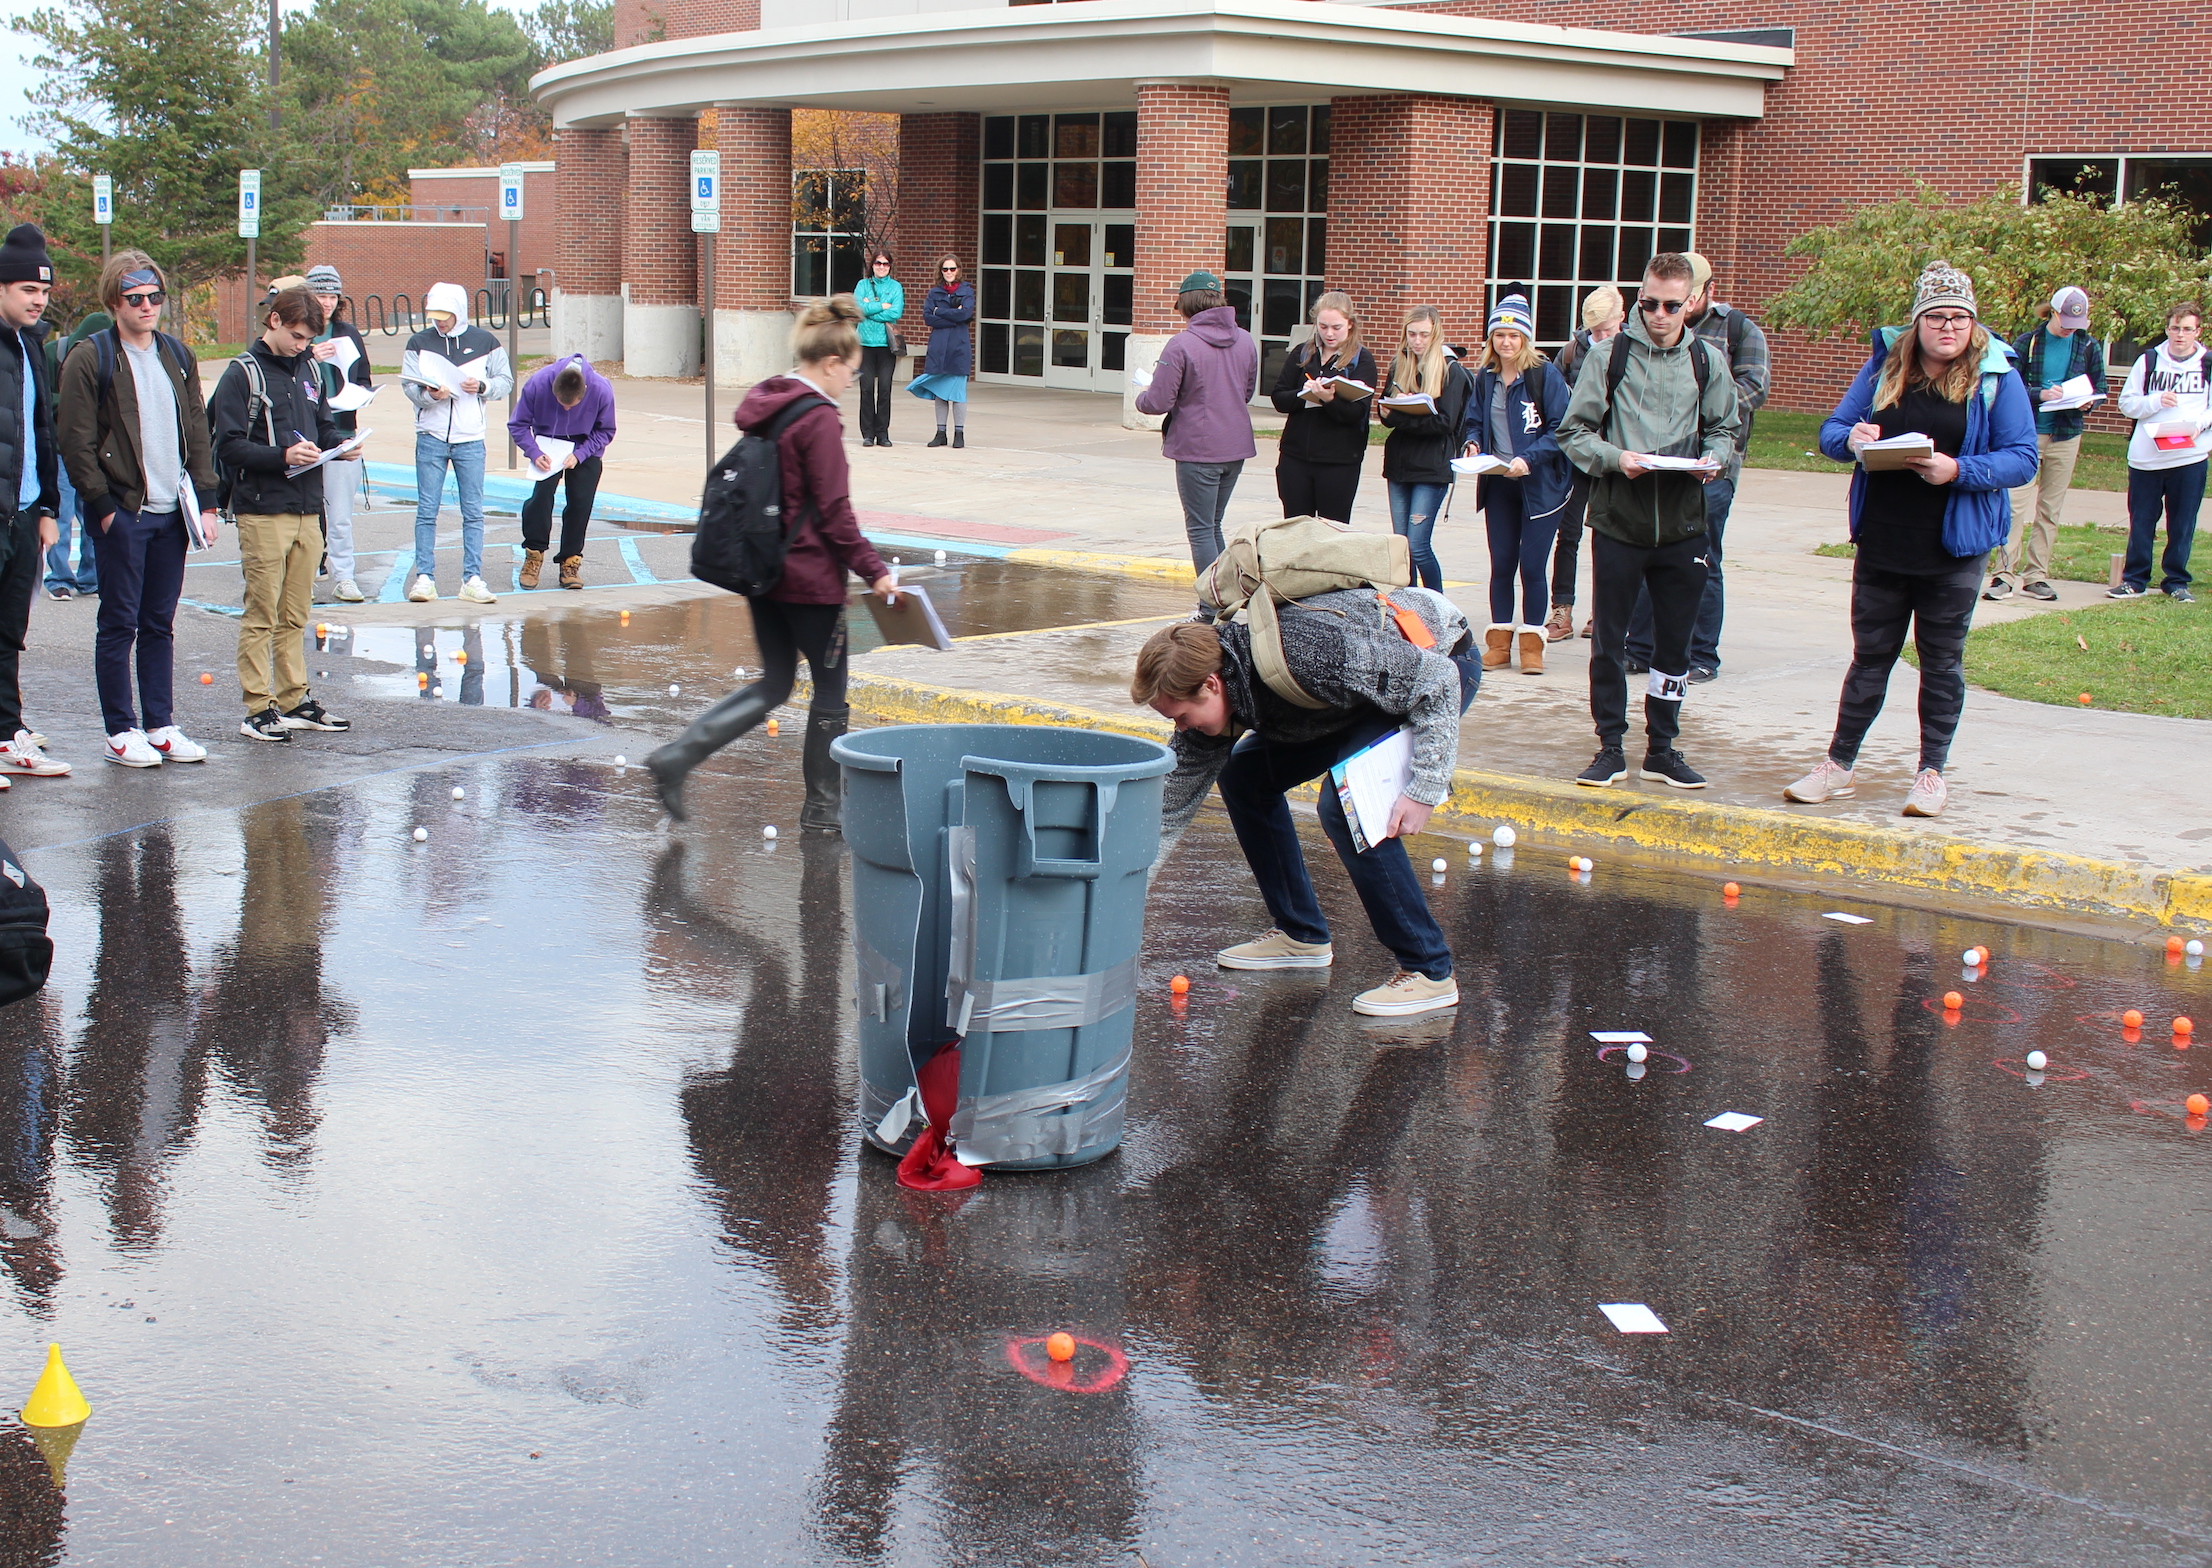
pixel 1532 653
pixel 1497 647
pixel 572 572
pixel 1560 624
pixel 533 561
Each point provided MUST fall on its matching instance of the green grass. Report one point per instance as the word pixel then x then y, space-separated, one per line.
pixel 1782 439
pixel 2082 553
pixel 2148 655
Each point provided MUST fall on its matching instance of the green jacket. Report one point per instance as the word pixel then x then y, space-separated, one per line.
pixel 882 301
pixel 1658 411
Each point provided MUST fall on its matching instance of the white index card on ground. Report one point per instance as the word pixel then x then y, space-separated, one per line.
pixel 1734 1121
pixel 1632 1317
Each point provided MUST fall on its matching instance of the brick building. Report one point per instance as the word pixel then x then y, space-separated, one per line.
pixel 1081 157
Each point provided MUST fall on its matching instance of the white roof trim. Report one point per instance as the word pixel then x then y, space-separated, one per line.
pixel 1050 56
pixel 488 173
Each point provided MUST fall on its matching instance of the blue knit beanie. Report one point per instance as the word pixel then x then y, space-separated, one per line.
pixel 1513 313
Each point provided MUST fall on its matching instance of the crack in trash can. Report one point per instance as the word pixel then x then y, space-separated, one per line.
pixel 999 875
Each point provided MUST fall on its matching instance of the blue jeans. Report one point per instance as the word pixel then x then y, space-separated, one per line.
pixel 467 458
pixel 143 554
pixel 87 576
pixel 2177 492
pixel 1252 788
pixel 1413 510
pixel 1720 497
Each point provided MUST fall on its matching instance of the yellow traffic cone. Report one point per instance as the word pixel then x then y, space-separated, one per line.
pixel 55 1443
pixel 55 1401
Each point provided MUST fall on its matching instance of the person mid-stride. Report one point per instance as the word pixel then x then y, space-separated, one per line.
pixel 1347 651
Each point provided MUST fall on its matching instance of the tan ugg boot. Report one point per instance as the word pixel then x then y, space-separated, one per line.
pixel 533 561
pixel 1532 653
pixel 1497 647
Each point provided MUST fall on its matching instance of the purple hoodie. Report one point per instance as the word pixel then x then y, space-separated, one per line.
pixel 590 424
pixel 1206 376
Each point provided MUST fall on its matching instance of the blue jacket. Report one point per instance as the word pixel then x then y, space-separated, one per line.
pixel 951 349
pixel 2084 357
pixel 1998 454
pixel 1533 427
pixel 881 300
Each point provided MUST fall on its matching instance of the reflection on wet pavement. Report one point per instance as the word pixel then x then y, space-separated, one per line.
pixel 498 1199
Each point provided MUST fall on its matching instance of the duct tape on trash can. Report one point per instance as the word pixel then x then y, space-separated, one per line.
pixel 1027 1124
pixel 880 984
pixel 975 1006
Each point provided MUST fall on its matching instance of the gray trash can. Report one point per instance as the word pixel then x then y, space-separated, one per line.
pixel 998 895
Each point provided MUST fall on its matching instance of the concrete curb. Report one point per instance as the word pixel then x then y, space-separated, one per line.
pixel 1724 837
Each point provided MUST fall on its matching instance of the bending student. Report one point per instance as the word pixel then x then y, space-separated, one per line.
pixel 1346 650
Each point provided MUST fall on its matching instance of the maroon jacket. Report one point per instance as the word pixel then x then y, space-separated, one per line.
pixel 824 538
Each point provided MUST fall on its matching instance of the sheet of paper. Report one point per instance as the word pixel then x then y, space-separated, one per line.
pixel 1411 403
pixel 352 396
pixel 439 371
pixel 1849 920
pixel 2079 392
pixel 1878 457
pixel 1679 465
pixel 1369 783
pixel 913 619
pixel 342 354
pixel 2174 435
pixel 1480 463
pixel 1140 379
pixel 556 449
pixel 1620 1037
pixel 343 449
pixel 1632 1317
pixel 1726 1121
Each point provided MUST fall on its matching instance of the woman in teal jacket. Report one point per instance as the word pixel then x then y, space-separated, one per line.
pixel 1923 530
pixel 882 301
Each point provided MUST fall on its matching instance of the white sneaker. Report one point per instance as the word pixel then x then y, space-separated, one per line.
pixel 476 593
pixel 175 746
pixel 347 590
pixel 23 755
pixel 1928 796
pixel 422 590
pixel 132 750
pixel 1829 780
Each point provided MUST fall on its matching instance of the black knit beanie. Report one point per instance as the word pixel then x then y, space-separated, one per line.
pixel 23 257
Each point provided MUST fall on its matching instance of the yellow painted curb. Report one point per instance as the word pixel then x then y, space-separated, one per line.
pixel 1159 568
pixel 1724 835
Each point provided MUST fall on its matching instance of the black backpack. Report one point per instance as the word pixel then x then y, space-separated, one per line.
pixel 742 530
pixel 26 951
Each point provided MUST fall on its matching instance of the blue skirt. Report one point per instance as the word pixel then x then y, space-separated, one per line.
pixel 948 389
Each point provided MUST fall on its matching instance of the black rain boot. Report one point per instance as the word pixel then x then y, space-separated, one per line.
pixel 825 781
pixel 960 436
pixel 939 438
pixel 708 734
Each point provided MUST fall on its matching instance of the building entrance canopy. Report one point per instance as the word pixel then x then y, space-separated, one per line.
pixel 1096 53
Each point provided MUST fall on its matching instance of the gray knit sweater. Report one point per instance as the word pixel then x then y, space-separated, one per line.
pixel 1346 651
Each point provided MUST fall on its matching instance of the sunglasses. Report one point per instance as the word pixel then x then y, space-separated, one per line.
pixel 948 269
pixel 152 297
pixel 1653 307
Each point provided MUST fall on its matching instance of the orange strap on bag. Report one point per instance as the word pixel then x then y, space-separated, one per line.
pixel 1410 625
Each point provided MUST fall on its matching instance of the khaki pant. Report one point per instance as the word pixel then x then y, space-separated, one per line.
pixel 2045 499
pixel 279 552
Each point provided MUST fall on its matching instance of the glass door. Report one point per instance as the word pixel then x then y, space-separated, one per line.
pixel 1089 289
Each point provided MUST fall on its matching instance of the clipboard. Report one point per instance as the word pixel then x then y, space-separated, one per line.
pixel 912 619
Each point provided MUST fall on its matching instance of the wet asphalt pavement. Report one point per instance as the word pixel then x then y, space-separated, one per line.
pixel 499 1200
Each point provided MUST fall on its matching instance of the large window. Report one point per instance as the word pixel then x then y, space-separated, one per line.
pixel 1582 200
pixel 1278 242
pixel 829 212
pixel 2185 178
pixel 1055 287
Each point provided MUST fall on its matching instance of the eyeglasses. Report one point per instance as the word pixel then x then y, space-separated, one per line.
pixel 1949 323
pixel 1652 307
pixel 151 297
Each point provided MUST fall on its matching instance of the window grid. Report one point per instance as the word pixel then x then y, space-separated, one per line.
pixel 1578 201
pixel 1276 254
pixel 2126 177
pixel 1037 167
pixel 829 215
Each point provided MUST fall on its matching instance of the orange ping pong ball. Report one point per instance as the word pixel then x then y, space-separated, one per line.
pixel 2131 1019
pixel 625 617
pixel 206 679
pixel 2183 1026
pixel 1952 1001
pixel 1061 1347
pixel 1179 985
pixel 772 726
pixel 2197 1105
pixel 2173 944
pixel 1729 890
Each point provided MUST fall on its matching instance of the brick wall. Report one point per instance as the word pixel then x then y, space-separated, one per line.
pixel 659 256
pixel 540 226
pixel 638 21
pixel 379 259
pixel 1859 116
pixel 591 170
pixel 699 18
pixel 1409 204
pixel 753 256
pixel 1182 193
pixel 940 204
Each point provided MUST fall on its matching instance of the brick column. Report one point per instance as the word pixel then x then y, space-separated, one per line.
pixel 660 272
pixel 940 209
pixel 1409 207
pixel 588 181
pixel 1182 210
pixel 752 266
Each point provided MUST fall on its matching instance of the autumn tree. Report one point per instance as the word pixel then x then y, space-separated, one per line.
pixel 829 140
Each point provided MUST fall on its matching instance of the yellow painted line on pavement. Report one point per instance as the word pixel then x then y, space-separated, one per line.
pixel 1724 836
pixel 1073 626
pixel 1161 568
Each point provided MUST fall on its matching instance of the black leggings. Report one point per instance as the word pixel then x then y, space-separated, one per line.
pixel 1316 489
pixel 1566 555
pixel 783 632
pixel 1940 610
pixel 877 366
